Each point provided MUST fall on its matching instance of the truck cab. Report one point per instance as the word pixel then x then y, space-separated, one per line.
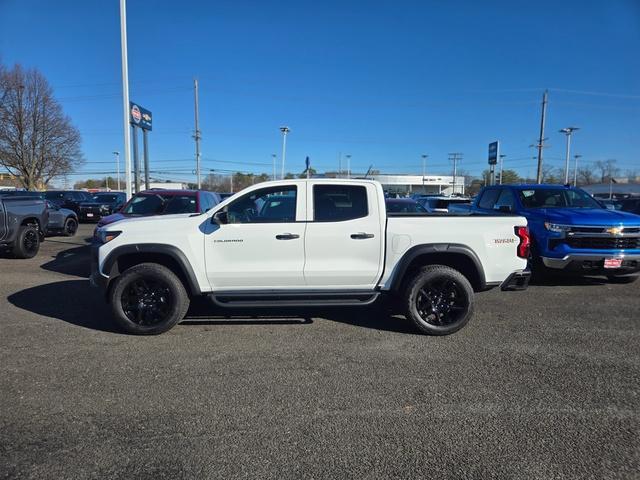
pixel 570 230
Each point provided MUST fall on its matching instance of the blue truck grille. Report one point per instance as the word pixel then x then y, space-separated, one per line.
pixel 603 243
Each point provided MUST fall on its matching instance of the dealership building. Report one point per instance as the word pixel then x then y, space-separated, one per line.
pixel 429 184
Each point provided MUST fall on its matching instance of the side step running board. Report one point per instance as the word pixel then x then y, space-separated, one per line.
pixel 293 299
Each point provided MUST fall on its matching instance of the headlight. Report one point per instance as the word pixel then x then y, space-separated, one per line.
pixel 106 236
pixel 555 227
pixel 104 208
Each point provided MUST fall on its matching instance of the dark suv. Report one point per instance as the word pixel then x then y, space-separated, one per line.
pixel 101 205
pixel 70 199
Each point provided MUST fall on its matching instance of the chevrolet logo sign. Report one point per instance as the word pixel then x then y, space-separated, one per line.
pixel 614 231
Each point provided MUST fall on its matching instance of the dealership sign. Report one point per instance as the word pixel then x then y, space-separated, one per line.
pixel 494 148
pixel 139 117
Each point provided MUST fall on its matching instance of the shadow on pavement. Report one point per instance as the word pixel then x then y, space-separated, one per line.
pixel 73 261
pixel 77 303
pixel 72 301
pixel 561 280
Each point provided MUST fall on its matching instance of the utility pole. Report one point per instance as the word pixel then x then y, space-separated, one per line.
pixel 455 157
pixel 125 97
pixel 117 154
pixel 424 169
pixel 273 157
pixel 567 131
pixel 197 135
pixel 541 139
pixel 348 157
pixel 501 164
pixel 285 131
pixel 231 181
pixel 575 171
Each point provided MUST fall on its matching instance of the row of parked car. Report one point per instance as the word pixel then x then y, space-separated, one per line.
pixel 26 217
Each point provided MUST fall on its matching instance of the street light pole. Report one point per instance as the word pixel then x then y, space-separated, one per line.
pixel 117 154
pixel 501 164
pixel 567 131
pixel 125 97
pixel 348 157
pixel 575 171
pixel 285 131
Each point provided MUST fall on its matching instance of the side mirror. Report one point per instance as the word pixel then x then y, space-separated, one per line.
pixel 221 218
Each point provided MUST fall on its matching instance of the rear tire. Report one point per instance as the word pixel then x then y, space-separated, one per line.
pixel 439 300
pixel 27 242
pixel 148 299
pixel 70 227
pixel 622 278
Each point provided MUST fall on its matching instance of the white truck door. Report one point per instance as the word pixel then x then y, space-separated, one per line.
pixel 262 245
pixel 344 237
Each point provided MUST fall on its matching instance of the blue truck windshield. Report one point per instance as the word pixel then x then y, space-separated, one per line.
pixel 556 198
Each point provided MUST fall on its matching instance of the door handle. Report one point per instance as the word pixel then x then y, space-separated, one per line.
pixel 361 235
pixel 287 236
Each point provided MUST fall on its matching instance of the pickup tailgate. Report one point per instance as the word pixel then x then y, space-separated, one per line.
pixel 492 238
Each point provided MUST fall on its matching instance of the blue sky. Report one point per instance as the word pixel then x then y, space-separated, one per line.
pixel 382 81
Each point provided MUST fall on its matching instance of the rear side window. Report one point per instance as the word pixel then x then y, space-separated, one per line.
pixel 506 198
pixel 334 203
pixel 488 199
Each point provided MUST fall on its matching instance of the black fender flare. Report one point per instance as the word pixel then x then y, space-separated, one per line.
pixel 110 266
pixel 434 248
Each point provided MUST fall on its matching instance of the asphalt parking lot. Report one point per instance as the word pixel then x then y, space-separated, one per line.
pixel 541 384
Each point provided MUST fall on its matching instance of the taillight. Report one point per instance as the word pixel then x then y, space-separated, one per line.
pixel 525 242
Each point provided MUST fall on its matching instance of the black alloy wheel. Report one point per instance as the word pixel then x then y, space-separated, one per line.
pixel 147 301
pixel 70 227
pixel 439 300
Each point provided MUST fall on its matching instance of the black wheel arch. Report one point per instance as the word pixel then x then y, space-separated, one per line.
pixel 454 255
pixel 127 256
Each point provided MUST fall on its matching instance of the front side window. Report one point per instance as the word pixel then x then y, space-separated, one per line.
pixel 267 205
pixel 334 203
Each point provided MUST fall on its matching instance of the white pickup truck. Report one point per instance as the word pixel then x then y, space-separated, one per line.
pixel 307 243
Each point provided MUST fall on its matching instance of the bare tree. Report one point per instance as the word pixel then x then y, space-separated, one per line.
pixel 37 141
pixel 607 168
pixel 586 176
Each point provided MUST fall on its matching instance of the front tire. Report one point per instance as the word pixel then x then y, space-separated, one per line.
pixel 27 242
pixel 439 300
pixel 148 299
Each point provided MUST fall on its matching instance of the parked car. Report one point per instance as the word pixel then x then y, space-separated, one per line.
pixel 441 204
pixel 163 202
pixel 611 204
pixel 101 205
pixel 404 205
pixel 23 221
pixel 69 199
pixel 225 195
pixel 570 230
pixel 62 221
pixel 631 205
pixel 306 249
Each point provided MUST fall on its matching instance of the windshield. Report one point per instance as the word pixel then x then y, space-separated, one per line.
pixel 105 197
pixel 405 207
pixel 556 198
pixel 160 204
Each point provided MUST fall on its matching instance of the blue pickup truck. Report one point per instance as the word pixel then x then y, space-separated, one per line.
pixel 570 230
